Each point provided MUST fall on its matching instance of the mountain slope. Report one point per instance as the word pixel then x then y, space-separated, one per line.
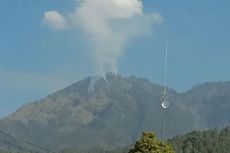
pixel 208 141
pixel 113 113
pixel 210 102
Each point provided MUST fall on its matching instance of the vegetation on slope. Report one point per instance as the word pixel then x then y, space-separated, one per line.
pixel 210 141
pixel 94 114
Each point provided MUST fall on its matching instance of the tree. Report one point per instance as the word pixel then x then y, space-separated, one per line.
pixel 149 144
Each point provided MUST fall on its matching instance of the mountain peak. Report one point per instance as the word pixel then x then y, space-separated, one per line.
pixel 111 112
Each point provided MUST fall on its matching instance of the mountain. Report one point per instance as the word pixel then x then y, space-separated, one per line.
pixel 113 112
pixel 210 103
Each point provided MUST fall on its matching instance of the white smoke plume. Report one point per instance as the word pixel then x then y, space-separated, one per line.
pixel 54 20
pixel 109 25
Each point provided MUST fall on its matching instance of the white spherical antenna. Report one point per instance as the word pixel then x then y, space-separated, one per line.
pixel 165 104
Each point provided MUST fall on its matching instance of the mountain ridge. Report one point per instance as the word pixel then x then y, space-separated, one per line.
pixel 112 113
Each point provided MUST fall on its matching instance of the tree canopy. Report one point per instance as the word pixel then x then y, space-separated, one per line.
pixel 149 144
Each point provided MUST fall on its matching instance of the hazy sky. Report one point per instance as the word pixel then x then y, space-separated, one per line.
pixel 36 60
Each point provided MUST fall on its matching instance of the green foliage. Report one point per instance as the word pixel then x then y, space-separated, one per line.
pixel 149 144
pixel 210 141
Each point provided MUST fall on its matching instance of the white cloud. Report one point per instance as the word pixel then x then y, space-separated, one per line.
pixel 109 25
pixel 55 20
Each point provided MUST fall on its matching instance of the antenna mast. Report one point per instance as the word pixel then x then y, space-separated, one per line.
pixel 165 103
pixel 166 66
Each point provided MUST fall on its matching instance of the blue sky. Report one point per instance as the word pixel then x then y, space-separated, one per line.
pixel 36 61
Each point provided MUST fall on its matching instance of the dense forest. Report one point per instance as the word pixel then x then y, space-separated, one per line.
pixel 208 141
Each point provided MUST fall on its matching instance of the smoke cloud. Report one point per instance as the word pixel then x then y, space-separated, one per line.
pixel 109 25
pixel 54 20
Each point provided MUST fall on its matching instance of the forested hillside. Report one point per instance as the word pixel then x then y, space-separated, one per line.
pixel 97 114
pixel 210 141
